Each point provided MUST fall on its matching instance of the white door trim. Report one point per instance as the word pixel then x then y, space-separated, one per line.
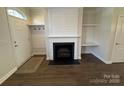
pixel 115 39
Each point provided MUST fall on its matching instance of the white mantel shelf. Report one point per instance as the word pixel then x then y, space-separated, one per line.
pixel 89 44
pixel 63 36
pixel 88 25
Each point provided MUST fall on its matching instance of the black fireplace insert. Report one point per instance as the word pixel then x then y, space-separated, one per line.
pixel 63 51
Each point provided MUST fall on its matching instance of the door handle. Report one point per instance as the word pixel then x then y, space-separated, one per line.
pixel 117 43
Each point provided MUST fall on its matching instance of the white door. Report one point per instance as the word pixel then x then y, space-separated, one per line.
pixel 7 59
pixel 118 51
pixel 21 39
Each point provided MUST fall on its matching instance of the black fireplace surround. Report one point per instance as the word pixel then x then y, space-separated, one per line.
pixel 63 52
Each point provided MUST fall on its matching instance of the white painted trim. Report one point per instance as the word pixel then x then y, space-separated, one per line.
pixel 79 57
pixel 62 36
pixel 113 58
pixel 85 25
pixel 24 61
pixel 46 31
pixel 32 54
pixel 39 53
pixel 115 38
pixel 47 58
pixel 105 61
pixel 5 77
pixel 121 15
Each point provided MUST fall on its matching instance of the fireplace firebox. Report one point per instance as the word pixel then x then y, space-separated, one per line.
pixel 63 52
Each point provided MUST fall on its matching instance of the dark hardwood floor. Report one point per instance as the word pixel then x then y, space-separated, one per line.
pixel 90 71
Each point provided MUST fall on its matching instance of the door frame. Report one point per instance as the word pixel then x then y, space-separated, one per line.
pixel 115 39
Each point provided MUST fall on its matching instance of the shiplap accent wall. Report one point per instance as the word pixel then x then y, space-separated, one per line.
pixel 63 21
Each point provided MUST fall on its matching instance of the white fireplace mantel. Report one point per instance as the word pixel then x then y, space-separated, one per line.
pixel 63 40
pixel 63 25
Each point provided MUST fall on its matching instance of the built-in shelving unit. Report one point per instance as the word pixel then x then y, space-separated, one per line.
pixel 89 27
pixel 35 25
pixel 64 36
pixel 89 44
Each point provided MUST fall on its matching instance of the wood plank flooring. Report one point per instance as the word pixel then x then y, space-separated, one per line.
pixel 90 71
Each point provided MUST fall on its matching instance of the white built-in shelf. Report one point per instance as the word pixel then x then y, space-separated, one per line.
pixel 36 27
pixel 89 44
pixel 63 36
pixel 85 25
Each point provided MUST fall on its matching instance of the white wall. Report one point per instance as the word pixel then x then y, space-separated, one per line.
pixel 7 59
pixel 38 42
pixel 104 18
pixel 38 36
pixel 108 21
pixel 37 16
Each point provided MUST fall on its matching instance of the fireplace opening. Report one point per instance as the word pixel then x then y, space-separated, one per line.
pixel 63 52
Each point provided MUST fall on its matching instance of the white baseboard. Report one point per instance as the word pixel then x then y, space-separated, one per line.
pixel 5 77
pixel 79 57
pixel 105 61
pixel 38 54
pixel 47 57
pixel 24 62
pixel 37 51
